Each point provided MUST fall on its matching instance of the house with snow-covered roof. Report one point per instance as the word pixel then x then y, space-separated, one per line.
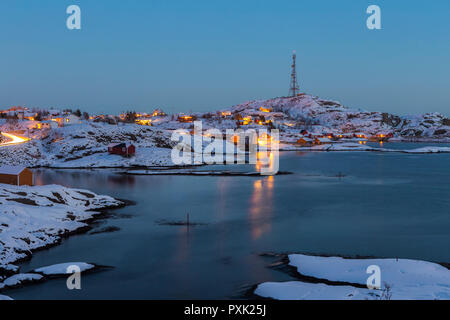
pixel 16 175
pixel 67 120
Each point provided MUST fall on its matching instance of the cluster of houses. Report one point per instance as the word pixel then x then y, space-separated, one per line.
pixel 264 116
pixel 18 112
pixel 143 119
pixel 41 120
pixel 51 119
pixel 307 138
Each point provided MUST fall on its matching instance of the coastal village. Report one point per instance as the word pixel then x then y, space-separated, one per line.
pixel 75 139
pixel 24 124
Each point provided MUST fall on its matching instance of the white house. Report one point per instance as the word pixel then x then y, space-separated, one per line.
pixel 71 119
pixel 67 120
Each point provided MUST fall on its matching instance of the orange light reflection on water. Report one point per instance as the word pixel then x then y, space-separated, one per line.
pixel 261 206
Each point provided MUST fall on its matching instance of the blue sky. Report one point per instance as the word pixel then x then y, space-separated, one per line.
pixel 202 55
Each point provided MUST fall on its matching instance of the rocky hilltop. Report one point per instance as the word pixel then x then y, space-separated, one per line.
pixel 319 114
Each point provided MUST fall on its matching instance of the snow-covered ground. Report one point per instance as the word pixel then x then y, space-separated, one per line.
pixel 36 217
pixel 43 274
pixel 61 268
pixel 433 149
pixel 361 147
pixel 86 146
pixel 20 278
pixel 407 279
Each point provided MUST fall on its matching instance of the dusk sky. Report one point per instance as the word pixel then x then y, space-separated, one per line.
pixel 204 54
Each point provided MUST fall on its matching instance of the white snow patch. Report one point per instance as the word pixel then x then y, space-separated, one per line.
pixel 61 269
pixel 20 278
pixel 429 150
pixel 408 279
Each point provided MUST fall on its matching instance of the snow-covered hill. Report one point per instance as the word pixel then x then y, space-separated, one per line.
pixel 311 112
pixel 86 145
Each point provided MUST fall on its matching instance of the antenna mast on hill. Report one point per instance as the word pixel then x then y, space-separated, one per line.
pixel 294 89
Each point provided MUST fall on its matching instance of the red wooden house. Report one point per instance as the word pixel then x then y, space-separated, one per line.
pixel 122 149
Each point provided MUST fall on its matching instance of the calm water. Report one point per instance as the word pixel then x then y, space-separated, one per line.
pixel 387 205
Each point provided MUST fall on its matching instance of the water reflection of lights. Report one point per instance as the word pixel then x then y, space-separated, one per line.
pixel 261 203
pixel 265 160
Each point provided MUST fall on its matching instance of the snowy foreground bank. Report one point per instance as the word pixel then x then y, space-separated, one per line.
pixel 345 279
pixel 33 218
pixel 36 217
pixel 43 274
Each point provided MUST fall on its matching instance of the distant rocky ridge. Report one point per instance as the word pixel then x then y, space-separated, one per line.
pixel 311 111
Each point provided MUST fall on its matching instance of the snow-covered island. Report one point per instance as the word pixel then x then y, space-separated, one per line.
pixel 71 139
pixel 33 218
pixel 336 278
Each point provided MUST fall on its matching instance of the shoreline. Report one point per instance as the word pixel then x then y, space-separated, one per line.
pixel 108 162
pixel 101 213
pixel 13 267
pixel 287 147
